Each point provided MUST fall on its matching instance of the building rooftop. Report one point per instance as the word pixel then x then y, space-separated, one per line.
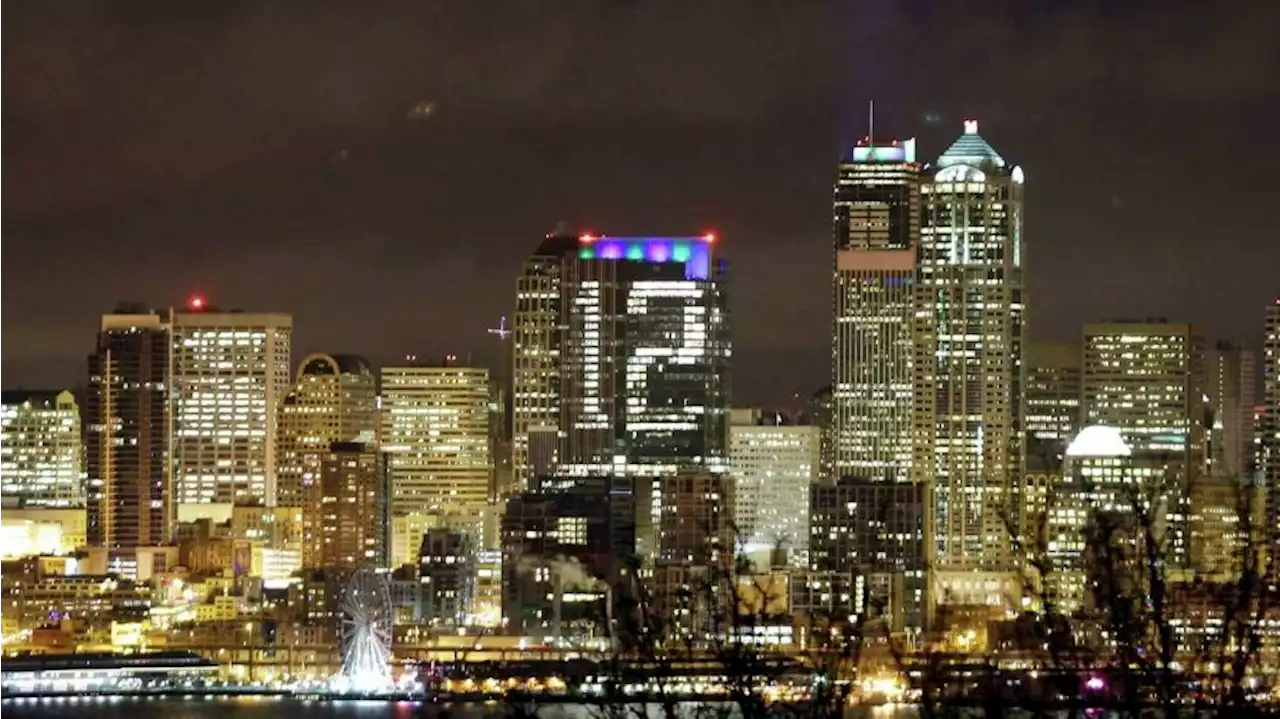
pixel 34 396
pixel 556 245
pixel 347 364
pixel 868 151
pixel 970 149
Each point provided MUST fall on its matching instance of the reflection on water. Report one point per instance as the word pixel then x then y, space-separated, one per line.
pixel 277 708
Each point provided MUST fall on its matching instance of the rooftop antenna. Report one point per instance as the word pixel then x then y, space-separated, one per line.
pixel 871 123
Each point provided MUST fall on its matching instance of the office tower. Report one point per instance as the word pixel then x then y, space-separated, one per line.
pixel 352 507
pixel 868 539
pixel 536 336
pixel 230 374
pixel 773 466
pixel 1231 385
pixel 40 464
pixel 876 234
pixel 435 430
pixel 970 337
pixel 564 544
pixel 1146 379
pixel 1052 396
pixel 644 362
pixel 126 432
pixel 334 398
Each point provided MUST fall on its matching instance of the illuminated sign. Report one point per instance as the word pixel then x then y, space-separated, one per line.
pixel 693 252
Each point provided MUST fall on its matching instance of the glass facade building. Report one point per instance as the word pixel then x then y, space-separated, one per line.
pixel 876 227
pixel 644 357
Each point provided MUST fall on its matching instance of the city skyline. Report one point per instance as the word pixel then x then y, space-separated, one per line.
pixel 792 357
pixel 382 201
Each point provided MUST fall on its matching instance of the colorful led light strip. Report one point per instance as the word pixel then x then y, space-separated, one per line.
pixel 693 252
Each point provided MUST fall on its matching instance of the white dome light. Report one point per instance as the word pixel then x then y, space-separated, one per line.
pixel 1098 441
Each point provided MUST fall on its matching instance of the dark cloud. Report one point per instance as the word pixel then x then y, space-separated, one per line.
pixel 154 148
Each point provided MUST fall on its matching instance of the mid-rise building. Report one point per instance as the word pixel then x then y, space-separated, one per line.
pixel 435 431
pixel 867 550
pixel 230 375
pixel 353 517
pixel 876 242
pixel 773 466
pixel 970 361
pixel 447 573
pixel 1231 386
pixel 694 557
pixel 40 450
pixel 126 432
pixel 1146 379
pixel 693 520
pixel 1053 393
pixel 563 546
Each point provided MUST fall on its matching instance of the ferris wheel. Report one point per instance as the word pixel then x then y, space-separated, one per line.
pixel 364 631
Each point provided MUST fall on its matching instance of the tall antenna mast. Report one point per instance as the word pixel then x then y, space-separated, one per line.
pixel 871 123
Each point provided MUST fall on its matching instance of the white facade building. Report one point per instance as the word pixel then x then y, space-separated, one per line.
pixel 40 457
pixel 230 373
pixel 773 467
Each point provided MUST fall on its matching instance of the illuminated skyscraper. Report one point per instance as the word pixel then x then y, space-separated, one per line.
pixel 1147 380
pixel 230 374
pixel 334 399
pixel 971 332
pixel 644 361
pixel 435 431
pixel 126 432
pixel 536 333
pixel 876 233
pixel 1053 393
pixel 1231 386
pixel 40 450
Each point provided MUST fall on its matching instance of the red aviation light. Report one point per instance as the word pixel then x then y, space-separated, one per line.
pixel 196 302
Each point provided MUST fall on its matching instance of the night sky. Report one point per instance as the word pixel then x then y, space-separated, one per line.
pixel 263 154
